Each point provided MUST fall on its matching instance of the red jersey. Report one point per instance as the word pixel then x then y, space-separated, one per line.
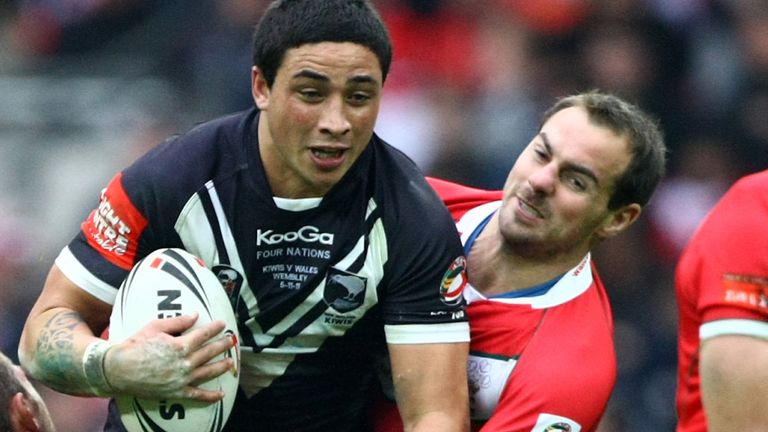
pixel 541 360
pixel 721 284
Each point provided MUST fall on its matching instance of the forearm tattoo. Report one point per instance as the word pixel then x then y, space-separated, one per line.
pixel 60 365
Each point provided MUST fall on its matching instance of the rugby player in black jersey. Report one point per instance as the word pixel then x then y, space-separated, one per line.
pixel 330 241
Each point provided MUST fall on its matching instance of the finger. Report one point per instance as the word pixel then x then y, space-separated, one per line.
pixel 202 334
pixel 202 395
pixel 210 371
pixel 174 325
pixel 210 350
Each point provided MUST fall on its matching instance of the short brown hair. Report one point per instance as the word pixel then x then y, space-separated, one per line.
pixel 648 164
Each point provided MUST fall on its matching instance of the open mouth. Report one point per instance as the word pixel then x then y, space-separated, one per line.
pixel 327 154
pixel 529 209
pixel 327 158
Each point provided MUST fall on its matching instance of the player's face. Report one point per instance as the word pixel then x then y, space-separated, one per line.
pixel 556 195
pixel 318 116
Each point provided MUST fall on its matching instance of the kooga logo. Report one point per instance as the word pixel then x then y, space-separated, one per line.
pixel 307 234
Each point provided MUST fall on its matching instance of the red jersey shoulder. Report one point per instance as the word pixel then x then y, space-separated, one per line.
pixel 723 263
pixel 459 198
pixel 722 274
pixel 114 227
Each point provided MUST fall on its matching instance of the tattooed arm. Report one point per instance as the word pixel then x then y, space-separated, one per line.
pixel 153 363
pixel 63 321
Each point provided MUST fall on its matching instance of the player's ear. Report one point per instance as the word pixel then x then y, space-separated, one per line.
pixel 619 220
pixel 22 414
pixel 259 88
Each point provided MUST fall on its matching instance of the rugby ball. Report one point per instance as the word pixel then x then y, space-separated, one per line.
pixel 167 283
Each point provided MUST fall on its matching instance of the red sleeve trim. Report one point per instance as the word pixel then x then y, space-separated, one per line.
pixel 113 229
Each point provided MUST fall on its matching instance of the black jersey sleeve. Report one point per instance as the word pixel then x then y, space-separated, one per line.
pixel 137 210
pixel 426 266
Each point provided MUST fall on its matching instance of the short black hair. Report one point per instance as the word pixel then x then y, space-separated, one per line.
pixel 289 24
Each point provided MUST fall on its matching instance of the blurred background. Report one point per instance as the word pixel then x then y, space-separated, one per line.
pixel 86 86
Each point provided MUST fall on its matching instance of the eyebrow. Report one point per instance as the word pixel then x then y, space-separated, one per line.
pixel 305 73
pixel 581 169
pixel 357 79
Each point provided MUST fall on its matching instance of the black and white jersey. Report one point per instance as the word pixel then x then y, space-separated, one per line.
pixel 317 285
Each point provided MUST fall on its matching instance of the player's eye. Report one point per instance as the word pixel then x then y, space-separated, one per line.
pixel 311 95
pixel 576 182
pixel 540 153
pixel 359 98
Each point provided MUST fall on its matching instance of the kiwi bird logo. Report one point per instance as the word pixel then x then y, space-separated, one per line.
pixel 344 291
pixel 231 280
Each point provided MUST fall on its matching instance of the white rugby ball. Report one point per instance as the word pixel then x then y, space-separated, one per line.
pixel 167 283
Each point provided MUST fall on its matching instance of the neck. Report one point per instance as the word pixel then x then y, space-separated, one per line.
pixel 494 267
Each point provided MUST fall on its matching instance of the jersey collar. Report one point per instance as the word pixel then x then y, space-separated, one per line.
pixel 570 285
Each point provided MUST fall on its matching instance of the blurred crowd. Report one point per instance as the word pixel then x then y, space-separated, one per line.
pixel 88 85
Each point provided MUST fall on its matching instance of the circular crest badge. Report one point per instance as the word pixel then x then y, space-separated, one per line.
pixel 454 281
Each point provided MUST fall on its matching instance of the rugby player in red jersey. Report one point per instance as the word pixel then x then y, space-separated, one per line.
pixel 541 331
pixel 721 285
